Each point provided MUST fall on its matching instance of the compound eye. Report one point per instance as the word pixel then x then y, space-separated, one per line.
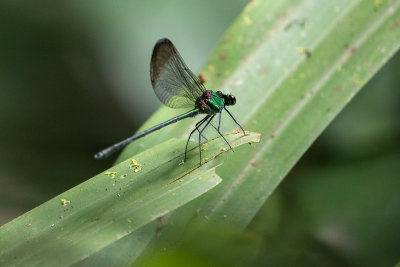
pixel 233 99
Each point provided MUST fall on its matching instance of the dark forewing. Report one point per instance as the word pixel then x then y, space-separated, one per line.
pixel 173 82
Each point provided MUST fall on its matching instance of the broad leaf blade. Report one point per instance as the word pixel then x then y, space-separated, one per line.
pixel 293 65
pixel 348 41
pixel 113 204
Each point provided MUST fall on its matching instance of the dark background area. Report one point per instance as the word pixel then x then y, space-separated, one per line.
pixel 74 78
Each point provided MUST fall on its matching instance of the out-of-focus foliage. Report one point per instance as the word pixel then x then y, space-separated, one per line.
pixel 339 206
pixel 74 78
pixel 60 66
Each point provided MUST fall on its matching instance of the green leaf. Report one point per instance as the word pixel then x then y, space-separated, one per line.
pixel 113 204
pixel 293 66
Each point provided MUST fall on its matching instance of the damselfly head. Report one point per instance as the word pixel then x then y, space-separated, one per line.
pixel 229 100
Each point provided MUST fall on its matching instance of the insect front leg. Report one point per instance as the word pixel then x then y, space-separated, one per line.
pixel 198 124
pixel 201 131
pixel 235 120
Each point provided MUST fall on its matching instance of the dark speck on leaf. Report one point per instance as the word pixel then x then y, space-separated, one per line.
pixel 161 222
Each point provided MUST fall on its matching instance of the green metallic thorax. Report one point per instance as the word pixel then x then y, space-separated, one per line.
pixel 214 105
pixel 210 103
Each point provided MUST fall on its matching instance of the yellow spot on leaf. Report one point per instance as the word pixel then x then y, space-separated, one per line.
pixel 356 79
pixel 135 166
pixel 123 176
pixel 305 51
pixel 247 20
pixel 65 202
pixel 211 68
pixel 377 3
pixel 133 163
pixel 111 174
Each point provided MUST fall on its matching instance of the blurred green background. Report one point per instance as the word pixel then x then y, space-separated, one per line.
pixel 74 78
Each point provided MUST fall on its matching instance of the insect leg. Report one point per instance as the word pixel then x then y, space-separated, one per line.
pixel 201 131
pixel 235 120
pixel 203 135
pixel 218 130
pixel 198 124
